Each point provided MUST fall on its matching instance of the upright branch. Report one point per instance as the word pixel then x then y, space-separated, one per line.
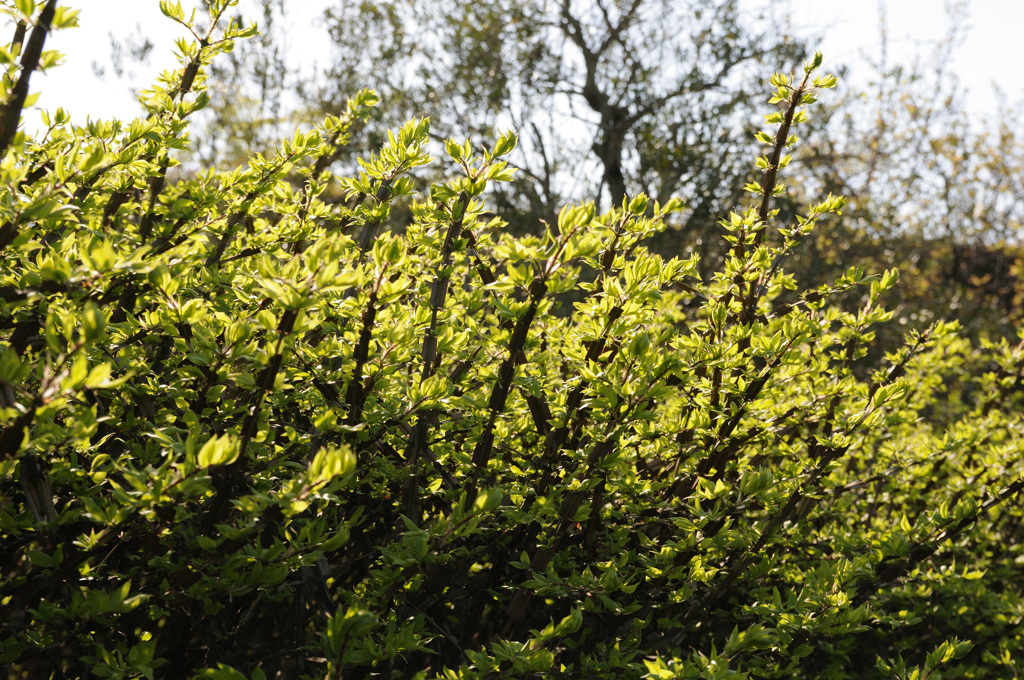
pixel 10 115
pixel 781 142
pixel 570 222
pixel 794 98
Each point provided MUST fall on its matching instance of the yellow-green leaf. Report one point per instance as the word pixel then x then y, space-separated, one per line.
pixel 221 450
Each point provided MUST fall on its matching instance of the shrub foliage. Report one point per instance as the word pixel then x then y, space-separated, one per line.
pixel 246 433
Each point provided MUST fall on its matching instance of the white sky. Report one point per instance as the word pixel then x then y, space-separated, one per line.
pixel 992 53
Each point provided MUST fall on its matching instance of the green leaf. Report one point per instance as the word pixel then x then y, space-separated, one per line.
pixel 172 11
pixel 487 501
pixel 99 375
pixel 454 150
pixel 221 450
pixel 94 324
pixel 40 559
pixel 65 17
pixel 26 7
pixel 11 368
pixel 570 624
pixel 222 672
pixel 331 462
pixel 507 142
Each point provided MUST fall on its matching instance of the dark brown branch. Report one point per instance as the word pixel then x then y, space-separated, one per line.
pixel 11 114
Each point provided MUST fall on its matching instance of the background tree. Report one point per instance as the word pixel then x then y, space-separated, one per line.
pixel 252 113
pixel 932 189
pixel 609 97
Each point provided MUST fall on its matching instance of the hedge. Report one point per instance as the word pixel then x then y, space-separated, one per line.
pixel 249 431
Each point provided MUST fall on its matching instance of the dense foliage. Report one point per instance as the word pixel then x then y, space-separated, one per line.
pixel 250 433
pixel 663 98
